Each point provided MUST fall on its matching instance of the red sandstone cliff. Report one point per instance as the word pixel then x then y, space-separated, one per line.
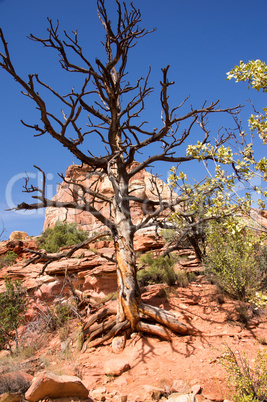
pixel 142 185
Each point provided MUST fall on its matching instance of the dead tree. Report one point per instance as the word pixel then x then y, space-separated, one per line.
pixel 113 106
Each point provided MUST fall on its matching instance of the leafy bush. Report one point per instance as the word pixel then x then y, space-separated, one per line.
pixel 13 304
pixel 8 259
pixel 261 259
pixel 184 278
pixel 168 235
pixel 160 270
pixel 232 260
pixel 259 301
pixel 63 234
pixel 250 383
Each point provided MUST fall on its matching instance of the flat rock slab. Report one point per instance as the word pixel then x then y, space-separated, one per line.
pixel 153 393
pixel 116 367
pixel 181 398
pixel 53 386
pixel 196 389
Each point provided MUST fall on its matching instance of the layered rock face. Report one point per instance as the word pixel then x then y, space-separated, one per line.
pixel 91 271
pixel 142 185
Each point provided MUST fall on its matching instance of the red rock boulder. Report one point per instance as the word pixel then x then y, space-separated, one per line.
pixel 50 385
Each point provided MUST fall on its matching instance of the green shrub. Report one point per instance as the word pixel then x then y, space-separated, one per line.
pixel 168 235
pixel 63 234
pixel 13 304
pixel 159 270
pixel 231 260
pixel 183 278
pixel 250 383
pixel 8 259
pixel 261 259
pixel 258 301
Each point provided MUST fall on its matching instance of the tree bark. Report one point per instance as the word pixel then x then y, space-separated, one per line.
pixel 128 290
pixel 129 296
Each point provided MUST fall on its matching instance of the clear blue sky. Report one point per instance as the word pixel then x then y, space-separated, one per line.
pixel 201 40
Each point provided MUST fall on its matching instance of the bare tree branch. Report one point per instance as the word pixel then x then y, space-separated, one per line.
pixel 40 256
pixel 114 107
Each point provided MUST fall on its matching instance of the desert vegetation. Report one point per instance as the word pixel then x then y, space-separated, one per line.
pixel 236 259
pixel 207 216
pixel 13 305
pixel 63 234
pixel 8 259
pixel 250 383
pixel 115 108
pixel 65 318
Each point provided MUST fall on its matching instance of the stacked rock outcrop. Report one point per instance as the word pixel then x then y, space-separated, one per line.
pixel 142 185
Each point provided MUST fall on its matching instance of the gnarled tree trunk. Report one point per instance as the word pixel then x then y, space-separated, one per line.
pixel 128 290
pixel 124 135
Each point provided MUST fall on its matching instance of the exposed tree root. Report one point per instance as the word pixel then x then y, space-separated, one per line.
pixel 153 330
pixel 98 329
pixel 113 332
pixel 165 318
pixel 102 326
pixel 99 316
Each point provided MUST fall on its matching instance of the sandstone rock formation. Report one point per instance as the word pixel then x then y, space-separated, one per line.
pixel 142 185
pixel 18 235
pixel 49 385
pixel 18 247
pixel 116 367
pixel 89 268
